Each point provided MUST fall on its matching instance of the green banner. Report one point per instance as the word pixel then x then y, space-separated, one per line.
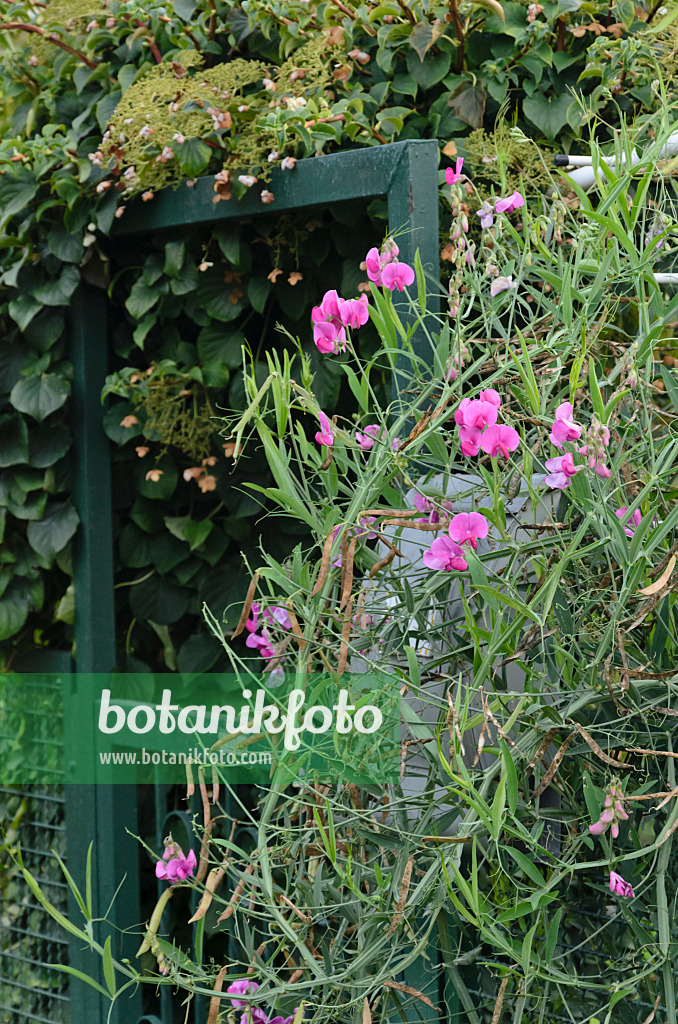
pixel 135 728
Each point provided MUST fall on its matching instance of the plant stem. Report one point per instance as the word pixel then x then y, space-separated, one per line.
pixel 459 31
pixel 52 37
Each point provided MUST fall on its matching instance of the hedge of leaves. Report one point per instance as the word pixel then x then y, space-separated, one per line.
pixel 367 75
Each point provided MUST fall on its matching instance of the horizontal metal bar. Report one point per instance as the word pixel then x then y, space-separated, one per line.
pixel 37 991
pixel 356 174
pixel 27 1015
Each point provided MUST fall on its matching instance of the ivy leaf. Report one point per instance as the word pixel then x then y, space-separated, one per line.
pixel 198 653
pixel 430 71
pixel 174 258
pixel 13 440
pixel 193 157
pixel 220 301
pixel 468 100
pixel 23 309
pixel 421 39
pixel 159 600
pixel 197 532
pixel 16 192
pixel 39 396
pixel 13 610
pixel 47 443
pixel 258 290
pixel 548 115
pixel 143 297
pixel 45 329
pixel 219 351
pixel 65 245
pixel 58 292
pixel 53 532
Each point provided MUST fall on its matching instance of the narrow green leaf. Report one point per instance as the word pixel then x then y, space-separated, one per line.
pixel 552 935
pixel 80 976
pixel 109 969
pixel 421 282
pixel 511 777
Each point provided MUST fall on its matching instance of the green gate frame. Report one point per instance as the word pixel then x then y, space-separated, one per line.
pixel 406 173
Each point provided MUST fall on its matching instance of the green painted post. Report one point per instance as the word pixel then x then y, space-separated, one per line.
pixel 97 813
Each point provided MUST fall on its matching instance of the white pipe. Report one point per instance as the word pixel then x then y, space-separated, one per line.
pixel 666 278
pixel 585 177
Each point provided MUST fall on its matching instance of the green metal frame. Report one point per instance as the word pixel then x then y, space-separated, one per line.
pixel 406 173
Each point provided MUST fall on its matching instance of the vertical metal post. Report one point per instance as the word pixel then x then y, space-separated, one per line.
pixel 413 218
pixel 97 813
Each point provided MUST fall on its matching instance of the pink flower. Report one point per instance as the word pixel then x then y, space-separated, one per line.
pixel 328 330
pixel 612 813
pixel 486 214
pixel 445 554
pixel 635 519
pixel 499 440
pixel 261 643
pixel 561 470
pixel 329 338
pixel 397 275
pixel 502 284
pixel 470 440
pixel 241 987
pixel 366 440
pixel 595 457
pixel 325 435
pixel 564 427
pixel 468 528
pixel 253 622
pixel 476 412
pixel 178 867
pixel 620 887
pixel 279 615
pixel 453 176
pixel 511 203
pixel 375 261
pixel 491 396
pixel 354 312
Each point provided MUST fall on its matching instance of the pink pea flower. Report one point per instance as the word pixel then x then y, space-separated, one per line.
pixel 499 440
pixel 445 554
pixel 174 867
pixel 502 284
pixel 468 528
pixel 620 887
pixel 328 309
pixel 486 214
pixel 470 440
pixel 476 412
pixel 635 519
pixel 455 364
pixel 325 435
pixel 375 261
pixel 453 176
pixel 596 463
pixel 278 615
pixel 241 987
pixel 261 643
pixel 491 396
pixel 252 623
pixel 354 312
pixel 329 338
pixel 612 813
pixel 561 470
pixel 511 203
pixel 564 427
pixel 369 436
pixel 397 275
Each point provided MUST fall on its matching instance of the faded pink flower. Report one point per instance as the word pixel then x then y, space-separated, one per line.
pixel 468 528
pixel 502 284
pixel 325 435
pixel 129 421
pixel 499 440
pixel 511 203
pixel 620 887
pixel 561 470
pixel 445 554
pixel 635 519
pixel 154 475
pixel 397 275
pixel 564 427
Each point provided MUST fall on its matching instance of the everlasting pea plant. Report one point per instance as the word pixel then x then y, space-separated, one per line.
pixel 500 543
